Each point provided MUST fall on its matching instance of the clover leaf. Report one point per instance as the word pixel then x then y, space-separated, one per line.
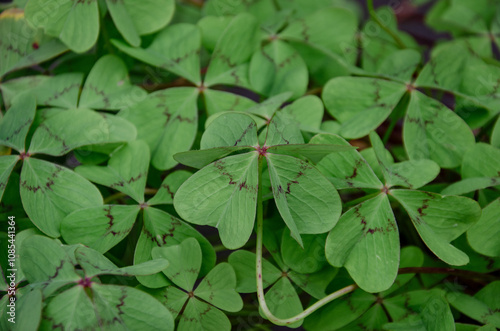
pixel 224 193
pixel 49 268
pixel 366 239
pixel 216 289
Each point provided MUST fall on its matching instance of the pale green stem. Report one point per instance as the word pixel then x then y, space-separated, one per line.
pixel 377 20
pixel 260 287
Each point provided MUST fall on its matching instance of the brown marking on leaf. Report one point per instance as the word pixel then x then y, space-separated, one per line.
pixel 248 128
pixel 243 185
pixel 219 164
pixel 173 62
pixel 120 183
pixel 167 187
pixel 280 189
pixel 305 30
pixel 375 229
pixel 377 90
pixel 18 130
pixel 65 148
pixel 65 90
pixel 432 64
pixel 100 92
pixel 58 268
pixel 109 216
pixel 391 226
pixel 134 179
pixel 237 80
pixel 225 59
pixel 122 301
pixel 425 205
pixel 288 186
pixel 288 60
pixel 33 189
pixel 358 214
pixel 184 119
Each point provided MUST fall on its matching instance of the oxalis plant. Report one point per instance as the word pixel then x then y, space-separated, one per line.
pixel 249 165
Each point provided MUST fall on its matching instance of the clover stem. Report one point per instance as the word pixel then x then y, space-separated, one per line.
pixel 258 262
pixel 377 20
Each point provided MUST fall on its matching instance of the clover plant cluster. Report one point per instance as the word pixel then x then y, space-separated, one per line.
pixel 247 164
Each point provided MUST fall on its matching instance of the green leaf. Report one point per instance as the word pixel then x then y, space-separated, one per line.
pixel 201 158
pixel 130 308
pixel 199 315
pixel 94 263
pixel 347 169
pixel 439 220
pixel 480 85
pixel 481 161
pixel 433 131
pixel 471 18
pixel 21 45
pixel 470 184
pixel 71 129
pixel 495 134
pixel 184 262
pixel 410 174
pixel 411 256
pixel 366 242
pixel 283 301
pixel 363 112
pixel 123 22
pixel 217 101
pixel 173 298
pixel 7 163
pixel 218 288
pixel 307 111
pixel 167 121
pixel 48 194
pixel 315 283
pixel 57 91
pixel 283 130
pixel 65 19
pixel 278 68
pixel 212 27
pixel 230 129
pixel 268 107
pixel 162 229
pixel 427 310
pixel 127 170
pixel 243 263
pixel 70 309
pixel 175 49
pixel 316 29
pixel 222 194
pixel 481 307
pixel 307 259
pixel 233 49
pixel 442 70
pixel 108 86
pixel 171 183
pixel 29 310
pixel 307 203
pixel 151 15
pixel 99 227
pixel 482 235
pixel 46 265
pixel 400 64
pixel 345 309
pixel 16 123
pixel 313 152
